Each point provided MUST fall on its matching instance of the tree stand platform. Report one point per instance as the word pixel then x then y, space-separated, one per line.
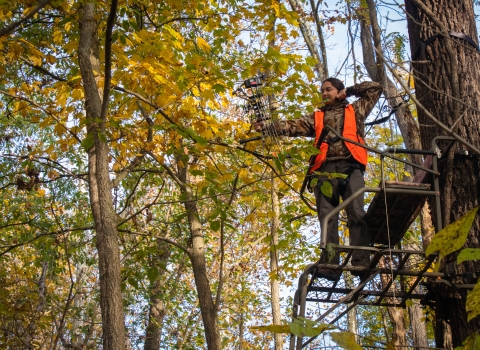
pixel 393 277
pixel 402 208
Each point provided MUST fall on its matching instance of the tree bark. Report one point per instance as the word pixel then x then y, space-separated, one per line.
pixel 406 122
pixel 419 331
pixel 307 36
pixel 101 200
pixel 157 308
pixel 321 38
pixel 397 315
pixel 274 282
pixel 197 258
pixel 447 83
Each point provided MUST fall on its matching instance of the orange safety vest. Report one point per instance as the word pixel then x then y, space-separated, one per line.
pixel 349 132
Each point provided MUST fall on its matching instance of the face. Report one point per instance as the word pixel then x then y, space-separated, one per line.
pixel 329 92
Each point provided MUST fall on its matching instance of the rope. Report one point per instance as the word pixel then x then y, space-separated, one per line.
pixel 388 234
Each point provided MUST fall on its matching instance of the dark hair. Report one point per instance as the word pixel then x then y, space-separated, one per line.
pixel 337 83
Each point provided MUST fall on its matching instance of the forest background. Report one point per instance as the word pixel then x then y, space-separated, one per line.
pixel 133 218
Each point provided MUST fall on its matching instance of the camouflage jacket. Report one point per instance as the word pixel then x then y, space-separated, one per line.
pixel 368 93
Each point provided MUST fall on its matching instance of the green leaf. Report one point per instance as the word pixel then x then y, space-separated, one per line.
pixel 452 237
pixel 152 273
pixel 330 251
pixel 133 282
pixel 468 254
pixel 278 165
pixel 345 340
pixel 88 142
pixel 283 243
pixel 337 176
pixel 327 189
pixel 215 225
pixel 304 327
pixel 218 88
pixel 471 343
pixel 473 302
pixel 311 61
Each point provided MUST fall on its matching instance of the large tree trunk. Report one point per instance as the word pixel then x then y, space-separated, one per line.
pixel 101 200
pixel 197 257
pixel 446 83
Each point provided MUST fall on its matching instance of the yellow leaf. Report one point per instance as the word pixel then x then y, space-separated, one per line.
pixel 59 129
pixel 468 254
pixel 173 33
pixel 345 340
pixel 452 237
pixel 276 8
pixel 203 44
pixel 471 343
pixel 57 36
pixel 304 327
pixel 391 345
pixel 473 302
pixel 52 174
pixel 195 91
pixel 77 94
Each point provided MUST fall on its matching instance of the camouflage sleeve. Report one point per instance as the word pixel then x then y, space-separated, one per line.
pixel 368 92
pixel 303 126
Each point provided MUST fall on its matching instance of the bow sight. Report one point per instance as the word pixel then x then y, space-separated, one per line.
pixel 257 105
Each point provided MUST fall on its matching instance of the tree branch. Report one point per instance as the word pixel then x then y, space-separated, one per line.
pixel 125 171
pixel 108 59
pixel 43 70
pixel 178 245
pixel 222 247
pixel 41 4
pixel 13 246
pixel 45 111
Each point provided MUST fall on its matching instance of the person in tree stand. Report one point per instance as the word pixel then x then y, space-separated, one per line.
pixel 337 156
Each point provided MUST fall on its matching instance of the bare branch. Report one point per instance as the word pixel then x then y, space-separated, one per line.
pixel 43 70
pixel 13 246
pixel 45 111
pixel 178 245
pixel 125 171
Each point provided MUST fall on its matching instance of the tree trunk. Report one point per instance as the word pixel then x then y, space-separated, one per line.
pixel 406 122
pixel 307 36
pixel 274 282
pixel 197 257
pixel 446 83
pixel 397 315
pixel 321 38
pixel 101 200
pixel 157 305
pixel 419 331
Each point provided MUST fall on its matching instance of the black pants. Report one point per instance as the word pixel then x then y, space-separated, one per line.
pixel 343 188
